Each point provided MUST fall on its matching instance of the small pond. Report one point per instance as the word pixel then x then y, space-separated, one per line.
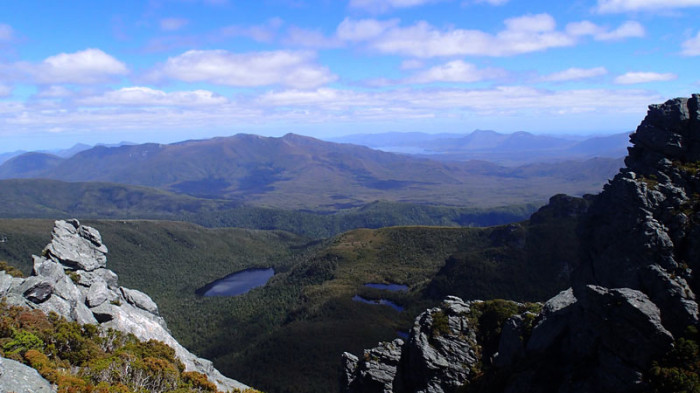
pixel 237 283
pixel 388 287
pixel 382 302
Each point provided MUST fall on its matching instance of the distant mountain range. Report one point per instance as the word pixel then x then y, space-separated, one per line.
pixel 62 153
pixel 300 172
pixel 505 149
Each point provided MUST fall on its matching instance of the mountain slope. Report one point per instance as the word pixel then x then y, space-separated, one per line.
pixel 40 198
pixel 28 165
pixel 304 173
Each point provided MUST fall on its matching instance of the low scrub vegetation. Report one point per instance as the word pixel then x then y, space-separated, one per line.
pixel 83 358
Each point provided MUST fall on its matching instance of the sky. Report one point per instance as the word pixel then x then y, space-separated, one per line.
pixel 170 70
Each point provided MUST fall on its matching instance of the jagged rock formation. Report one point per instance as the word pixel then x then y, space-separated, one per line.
pixel 438 355
pixel 71 279
pixel 633 291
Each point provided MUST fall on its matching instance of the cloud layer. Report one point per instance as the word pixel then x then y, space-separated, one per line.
pixel 613 6
pixel 631 78
pixel 287 68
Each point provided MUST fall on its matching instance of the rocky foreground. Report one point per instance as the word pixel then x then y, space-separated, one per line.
pixel 632 295
pixel 70 278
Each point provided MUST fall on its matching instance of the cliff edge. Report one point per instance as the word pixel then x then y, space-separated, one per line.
pixel 632 294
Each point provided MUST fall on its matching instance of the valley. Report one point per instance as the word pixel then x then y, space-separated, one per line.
pixel 174 234
pixel 305 316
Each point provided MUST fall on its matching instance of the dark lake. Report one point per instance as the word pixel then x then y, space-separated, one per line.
pixel 237 283
pixel 388 287
pixel 381 302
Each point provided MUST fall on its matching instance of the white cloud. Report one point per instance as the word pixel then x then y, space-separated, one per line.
pixel 150 97
pixel 5 90
pixel 363 29
pixel 492 2
pixel 575 74
pixel 455 71
pixel 614 6
pixel 6 32
pixel 524 34
pixel 434 102
pixel 691 47
pixel 629 29
pixel 529 33
pixel 173 24
pixel 148 110
pixel 386 5
pixel 631 78
pixel 288 68
pixel 626 30
pixel 411 64
pixel 83 67
pixel 310 38
pixel 55 91
pixel 265 32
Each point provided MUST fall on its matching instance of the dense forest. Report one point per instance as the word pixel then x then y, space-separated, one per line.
pixel 305 316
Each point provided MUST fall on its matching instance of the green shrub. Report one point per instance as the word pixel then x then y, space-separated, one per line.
pixel 11 270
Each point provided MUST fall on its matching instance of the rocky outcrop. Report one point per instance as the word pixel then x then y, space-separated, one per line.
pixel 634 288
pixel 640 229
pixel 15 377
pixel 71 279
pixel 438 356
pixel 377 370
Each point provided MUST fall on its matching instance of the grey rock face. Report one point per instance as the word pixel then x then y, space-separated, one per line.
pixel 553 321
pixel 99 275
pixel 377 370
pixel 7 282
pixel 511 346
pixel 15 377
pixel 633 292
pixel 638 232
pixel 628 324
pixel 76 247
pixel 438 356
pixel 99 293
pixel 36 289
pixel 441 348
pixel 90 294
pixel 139 299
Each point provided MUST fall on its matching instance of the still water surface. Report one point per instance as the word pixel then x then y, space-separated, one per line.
pixel 237 283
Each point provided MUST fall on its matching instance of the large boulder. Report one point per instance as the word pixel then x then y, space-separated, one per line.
pixel 15 377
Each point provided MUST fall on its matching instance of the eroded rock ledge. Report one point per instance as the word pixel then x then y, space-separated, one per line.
pixel 71 279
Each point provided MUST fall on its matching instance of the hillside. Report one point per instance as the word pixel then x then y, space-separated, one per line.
pixel 299 323
pixel 28 165
pixel 39 198
pixel 298 172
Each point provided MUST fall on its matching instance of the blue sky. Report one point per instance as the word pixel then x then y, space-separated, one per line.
pixel 169 70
